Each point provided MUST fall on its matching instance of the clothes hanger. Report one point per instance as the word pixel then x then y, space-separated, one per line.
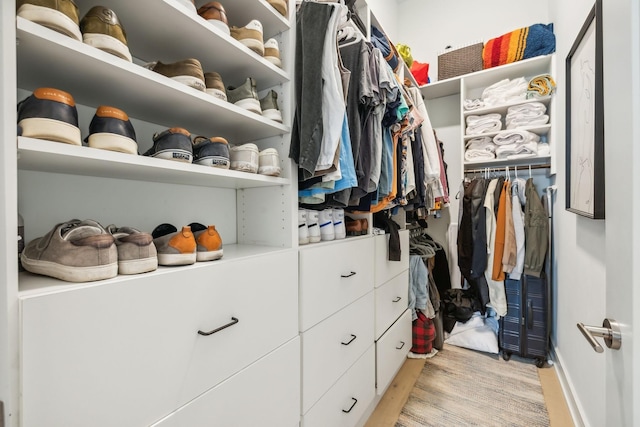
pixel 357 35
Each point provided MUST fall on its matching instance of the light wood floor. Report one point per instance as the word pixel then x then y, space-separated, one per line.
pixel 388 410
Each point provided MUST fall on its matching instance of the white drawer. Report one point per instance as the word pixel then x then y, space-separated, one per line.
pixel 392 299
pixel 346 402
pixel 385 269
pixel 332 276
pixel 392 350
pixel 329 348
pixel 267 393
pixel 128 353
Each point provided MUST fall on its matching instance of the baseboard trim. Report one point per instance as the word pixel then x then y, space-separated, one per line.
pixel 567 389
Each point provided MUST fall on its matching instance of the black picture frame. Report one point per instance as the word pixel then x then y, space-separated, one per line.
pixel 585 193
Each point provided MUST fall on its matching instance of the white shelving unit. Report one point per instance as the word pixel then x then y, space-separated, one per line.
pixel 134 338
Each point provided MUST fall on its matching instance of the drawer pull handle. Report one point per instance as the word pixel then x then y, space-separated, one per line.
pixel 233 322
pixel 400 348
pixel 353 337
pixel 352 405
pixel 353 273
pixel 397 299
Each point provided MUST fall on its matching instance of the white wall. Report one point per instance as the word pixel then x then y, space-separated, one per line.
pixel 580 292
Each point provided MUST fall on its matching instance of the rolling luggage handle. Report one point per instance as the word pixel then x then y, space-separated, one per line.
pixel 529 314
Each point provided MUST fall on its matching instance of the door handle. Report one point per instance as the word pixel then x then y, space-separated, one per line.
pixel 610 331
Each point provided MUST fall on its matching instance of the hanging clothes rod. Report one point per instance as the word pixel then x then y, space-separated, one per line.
pixel 511 168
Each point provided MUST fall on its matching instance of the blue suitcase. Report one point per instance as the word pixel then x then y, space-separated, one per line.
pixel 524 330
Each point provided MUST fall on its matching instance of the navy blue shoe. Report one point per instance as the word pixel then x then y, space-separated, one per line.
pixel 50 114
pixel 110 129
pixel 172 144
pixel 212 151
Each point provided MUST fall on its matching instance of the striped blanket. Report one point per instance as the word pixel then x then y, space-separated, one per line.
pixel 523 43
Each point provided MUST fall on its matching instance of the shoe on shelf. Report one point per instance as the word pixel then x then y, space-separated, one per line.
pixel 269 106
pixel 313 226
pixel 245 158
pixel 280 6
pixel 209 242
pixel 187 71
pixel 364 225
pixel 337 216
pixel 272 52
pixel 74 251
pixel 190 5
pixel 136 251
pixel 245 96
pixel 250 35
pixel 212 151
pixel 58 15
pixel 353 226
pixel 110 129
pixel 325 219
pixel 50 114
pixel 214 85
pixel 269 162
pixel 303 231
pixel 214 13
pixel 174 247
pixel 172 144
pixel 101 29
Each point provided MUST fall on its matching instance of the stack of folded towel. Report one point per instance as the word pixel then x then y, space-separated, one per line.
pixel 541 85
pixel 473 104
pixel 505 91
pixel 532 114
pixel 483 124
pixel 480 148
pixel 514 144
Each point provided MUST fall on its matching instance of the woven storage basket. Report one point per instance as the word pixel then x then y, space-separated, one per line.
pixel 465 60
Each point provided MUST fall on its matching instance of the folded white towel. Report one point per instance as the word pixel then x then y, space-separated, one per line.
pixel 515 137
pixel 544 149
pixel 472 104
pixel 484 123
pixel 521 121
pixel 480 148
pixel 505 91
pixel 531 107
pixel 518 150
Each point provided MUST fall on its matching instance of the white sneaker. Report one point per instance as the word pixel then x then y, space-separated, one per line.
pixel 303 231
pixel 244 157
pixel 313 226
pixel 269 162
pixel 339 228
pixel 250 35
pixel 272 52
pixel 325 218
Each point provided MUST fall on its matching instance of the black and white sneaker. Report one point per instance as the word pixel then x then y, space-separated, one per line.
pixel 172 144
pixel 212 151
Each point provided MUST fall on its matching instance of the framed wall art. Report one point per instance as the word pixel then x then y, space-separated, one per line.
pixel 585 120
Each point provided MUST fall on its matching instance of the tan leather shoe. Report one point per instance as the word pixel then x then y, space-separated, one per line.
pixel 214 12
pixel 280 6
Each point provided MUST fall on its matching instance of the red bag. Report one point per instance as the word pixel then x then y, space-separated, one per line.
pixel 424 333
pixel 421 72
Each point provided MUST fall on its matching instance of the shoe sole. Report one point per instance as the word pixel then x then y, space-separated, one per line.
pixel 50 129
pixel 255 45
pixel 217 93
pixel 314 239
pixel 108 44
pixel 273 114
pixel 50 18
pixel 175 155
pixel 214 161
pixel 274 60
pixel 113 142
pixel 68 273
pixel 137 266
pixel 269 170
pixel 220 25
pixel 250 104
pixel 244 166
pixel 209 255
pixel 191 81
pixel 177 259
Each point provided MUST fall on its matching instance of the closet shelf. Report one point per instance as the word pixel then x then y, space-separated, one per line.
pixel 49 156
pixel 539 130
pixel 535 160
pixel 502 109
pixel 33 285
pixel 94 78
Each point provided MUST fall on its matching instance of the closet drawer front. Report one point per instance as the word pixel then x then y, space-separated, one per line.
pixel 346 402
pixel 128 353
pixel 332 276
pixel 392 350
pixel 329 348
pixel 385 269
pixel 272 385
pixel 391 300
